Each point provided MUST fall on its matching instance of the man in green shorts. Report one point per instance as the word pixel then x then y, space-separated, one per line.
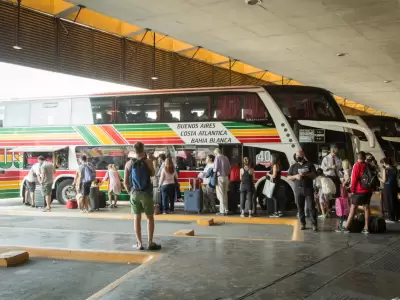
pixel 138 171
pixel 46 174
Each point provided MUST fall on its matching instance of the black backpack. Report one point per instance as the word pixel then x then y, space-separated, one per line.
pixel 369 179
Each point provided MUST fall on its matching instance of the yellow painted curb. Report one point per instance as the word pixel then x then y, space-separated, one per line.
pixel 13 258
pixel 88 255
pixel 186 232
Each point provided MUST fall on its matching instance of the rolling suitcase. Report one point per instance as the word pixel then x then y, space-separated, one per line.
pixel 102 200
pixel 94 197
pixel 193 199
pixel 39 198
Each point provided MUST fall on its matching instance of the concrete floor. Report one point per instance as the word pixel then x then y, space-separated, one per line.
pixel 326 265
pixel 58 279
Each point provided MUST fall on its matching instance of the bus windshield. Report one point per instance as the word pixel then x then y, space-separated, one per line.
pixel 383 126
pixel 305 103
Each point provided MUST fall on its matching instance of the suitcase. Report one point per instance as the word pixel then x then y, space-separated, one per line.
pixel 157 196
pixel 102 200
pixel 94 197
pixel 376 224
pixel 193 200
pixel 342 206
pixel 39 198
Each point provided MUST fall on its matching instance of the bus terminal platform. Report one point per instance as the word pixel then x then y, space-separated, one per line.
pixel 237 258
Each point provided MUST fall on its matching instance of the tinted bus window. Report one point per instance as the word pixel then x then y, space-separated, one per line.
pixel 311 104
pixel 102 110
pixel 138 109
pixel 186 108
pixel 238 107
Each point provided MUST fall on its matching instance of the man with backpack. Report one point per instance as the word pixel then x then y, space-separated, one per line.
pixel 363 182
pixel 137 175
pixel 87 174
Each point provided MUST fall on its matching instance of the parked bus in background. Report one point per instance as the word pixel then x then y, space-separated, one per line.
pixel 386 132
pixel 189 124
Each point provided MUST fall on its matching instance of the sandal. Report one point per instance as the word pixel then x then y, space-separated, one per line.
pixel 154 247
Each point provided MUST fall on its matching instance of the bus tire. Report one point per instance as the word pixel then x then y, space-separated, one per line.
pixel 65 191
pixel 286 193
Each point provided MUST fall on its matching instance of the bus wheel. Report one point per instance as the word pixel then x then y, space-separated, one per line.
pixel 65 191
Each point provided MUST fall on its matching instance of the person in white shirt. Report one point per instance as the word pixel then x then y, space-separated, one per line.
pixel 332 166
pixel 167 185
pixel 31 181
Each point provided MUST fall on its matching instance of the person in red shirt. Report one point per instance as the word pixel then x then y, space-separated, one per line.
pixel 361 195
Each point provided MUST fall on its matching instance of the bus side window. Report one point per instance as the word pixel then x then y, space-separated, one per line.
pixel 361 136
pixel 102 110
pixel 186 108
pixel 138 109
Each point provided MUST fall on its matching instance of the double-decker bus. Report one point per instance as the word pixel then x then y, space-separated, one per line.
pixel 252 121
pixel 386 132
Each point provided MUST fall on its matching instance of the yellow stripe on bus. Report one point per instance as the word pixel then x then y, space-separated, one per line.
pixel 6 185
pixel 250 132
pixel 100 135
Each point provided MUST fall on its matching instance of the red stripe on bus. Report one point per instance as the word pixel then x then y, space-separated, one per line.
pixel 110 130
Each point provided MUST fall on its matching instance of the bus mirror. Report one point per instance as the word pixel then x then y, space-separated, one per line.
pixel 338 126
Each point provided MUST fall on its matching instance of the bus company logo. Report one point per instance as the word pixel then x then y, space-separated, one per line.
pixel 204 133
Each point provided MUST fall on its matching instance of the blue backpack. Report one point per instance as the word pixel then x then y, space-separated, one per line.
pixel 89 175
pixel 140 175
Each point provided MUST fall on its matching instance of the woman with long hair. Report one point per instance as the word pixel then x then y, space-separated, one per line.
pixel 246 187
pixel 275 177
pixel 167 185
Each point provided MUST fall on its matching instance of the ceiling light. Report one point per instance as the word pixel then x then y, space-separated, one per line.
pixel 154 77
pixel 342 54
pixel 388 81
pixel 253 2
pixel 16 47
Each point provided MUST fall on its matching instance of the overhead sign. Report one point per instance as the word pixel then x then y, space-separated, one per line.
pixel 312 135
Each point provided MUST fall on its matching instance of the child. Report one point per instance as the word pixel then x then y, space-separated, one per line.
pixel 114 185
pixel 326 189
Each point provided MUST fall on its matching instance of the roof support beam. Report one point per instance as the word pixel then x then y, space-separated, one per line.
pixel 69 11
pixel 257 72
pixel 222 62
pixel 188 49
pixel 137 32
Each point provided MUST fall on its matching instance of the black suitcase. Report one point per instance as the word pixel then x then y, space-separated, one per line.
pixel 94 197
pixel 39 198
pixel 193 200
pixel 102 200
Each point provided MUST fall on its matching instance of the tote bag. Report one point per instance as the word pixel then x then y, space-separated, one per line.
pixel 269 187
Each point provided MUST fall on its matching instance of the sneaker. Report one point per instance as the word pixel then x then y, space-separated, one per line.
pixel 242 214
pixel 365 231
pixel 315 228
pixel 280 214
pixel 344 230
pixel 322 217
pixel 249 215
pixel 220 214
pixel 303 227
pixel 274 215
pixel 82 210
pixel 111 206
pixel 164 213
pixel 390 221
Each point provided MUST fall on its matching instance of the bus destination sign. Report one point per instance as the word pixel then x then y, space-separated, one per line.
pixel 312 135
pixel 204 133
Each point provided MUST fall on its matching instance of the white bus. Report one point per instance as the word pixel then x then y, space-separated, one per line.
pixel 252 121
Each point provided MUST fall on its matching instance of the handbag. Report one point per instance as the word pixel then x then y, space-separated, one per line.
pixel 268 189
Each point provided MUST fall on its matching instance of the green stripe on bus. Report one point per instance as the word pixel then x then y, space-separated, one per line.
pixel 239 125
pixel 87 136
pixel 37 130
pixel 142 127
pixel 9 194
